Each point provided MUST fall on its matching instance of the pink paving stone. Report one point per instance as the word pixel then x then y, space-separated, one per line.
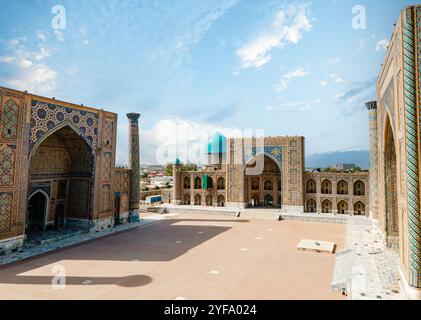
pixel 147 263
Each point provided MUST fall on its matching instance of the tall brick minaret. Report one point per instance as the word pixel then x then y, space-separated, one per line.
pixel 134 160
pixel 177 182
pixel 373 182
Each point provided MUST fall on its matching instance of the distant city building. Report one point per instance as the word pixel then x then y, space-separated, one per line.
pixel 345 166
pixel 160 181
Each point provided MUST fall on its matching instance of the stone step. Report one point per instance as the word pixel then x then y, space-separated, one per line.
pixel 261 214
pixel 342 272
pixel 53 238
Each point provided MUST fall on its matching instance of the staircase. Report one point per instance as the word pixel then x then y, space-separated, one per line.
pixel 266 214
pixel 47 237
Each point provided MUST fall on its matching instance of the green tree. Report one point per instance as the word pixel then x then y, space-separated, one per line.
pixel 189 167
pixel 168 170
pixel 184 168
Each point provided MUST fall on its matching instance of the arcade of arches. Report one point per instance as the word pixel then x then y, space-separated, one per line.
pixel 213 196
pixel 339 193
pixel 265 189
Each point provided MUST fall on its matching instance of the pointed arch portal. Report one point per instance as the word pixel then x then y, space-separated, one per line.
pixel 262 174
pixel 61 168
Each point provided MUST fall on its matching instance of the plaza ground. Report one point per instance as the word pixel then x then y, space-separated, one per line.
pixel 187 256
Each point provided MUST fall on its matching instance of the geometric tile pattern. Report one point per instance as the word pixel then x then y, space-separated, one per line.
pixel 274 151
pixel 5 212
pixel 7 166
pixel 46 116
pixel 134 159
pixel 125 201
pixel 106 174
pixel 105 198
pixel 413 196
pixel 10 117
pixel 108 133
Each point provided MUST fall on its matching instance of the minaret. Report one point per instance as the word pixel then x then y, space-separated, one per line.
pixel 134 160
pixel 176 182
pixel 373 182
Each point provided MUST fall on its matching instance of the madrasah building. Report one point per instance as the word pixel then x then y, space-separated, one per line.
pixel 57 166
pixel 57 169
pixel 241 173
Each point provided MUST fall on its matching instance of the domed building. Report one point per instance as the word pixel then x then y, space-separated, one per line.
pixel 269 172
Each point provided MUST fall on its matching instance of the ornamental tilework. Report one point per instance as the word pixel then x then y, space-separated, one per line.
pixel 108 133
pixel 273 151
pixel 412 135
pixel 5 212
pixel 125 201
pixel 7 166
pixel 107 166
pixel 10 116
pixel 105 198
pixel 46 116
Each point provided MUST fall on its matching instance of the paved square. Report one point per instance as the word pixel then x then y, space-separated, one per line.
pixel 148 263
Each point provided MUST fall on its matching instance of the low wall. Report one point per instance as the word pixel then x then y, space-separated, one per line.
pixel 308 217
pixel 200 210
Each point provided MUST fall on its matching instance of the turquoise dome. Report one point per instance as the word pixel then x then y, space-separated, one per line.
pixel 217 144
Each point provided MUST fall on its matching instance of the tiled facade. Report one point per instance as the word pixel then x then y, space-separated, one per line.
pixel 50 152
pixel 235 185
pixel 396 159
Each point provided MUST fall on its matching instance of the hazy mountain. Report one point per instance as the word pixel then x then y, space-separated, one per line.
pixel 329 159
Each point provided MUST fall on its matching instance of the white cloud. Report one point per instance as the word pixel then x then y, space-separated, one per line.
pixel 59 35
pixel 13 43
pixel 30 74
pixel 334 61
pixel 288 77
pixel 357 93
pixel 7 59
pixel 23 53
pixel 290 106
pixel 25 63
pixel 288 26
pixel 332 78
pixel 72 70
pixel 41 36
pixel 35 78
pixel 171 137
pixel 382 44
pixel 173 51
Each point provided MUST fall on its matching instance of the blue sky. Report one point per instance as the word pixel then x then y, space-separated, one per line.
pixel 192 67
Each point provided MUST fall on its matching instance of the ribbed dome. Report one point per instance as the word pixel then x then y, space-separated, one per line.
pixel 217 144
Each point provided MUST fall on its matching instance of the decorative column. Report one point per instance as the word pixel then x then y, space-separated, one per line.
pixel 134 166
pixel 411 74
pixel 373 179
pixel 176 172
